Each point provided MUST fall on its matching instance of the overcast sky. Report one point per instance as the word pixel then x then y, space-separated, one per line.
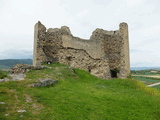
pixel 18 17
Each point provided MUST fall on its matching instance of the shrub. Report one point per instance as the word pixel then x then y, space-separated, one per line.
pixel 2 75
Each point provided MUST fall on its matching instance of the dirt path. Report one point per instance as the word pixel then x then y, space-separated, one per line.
pixel 153 84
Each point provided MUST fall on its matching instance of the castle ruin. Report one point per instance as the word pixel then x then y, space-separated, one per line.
pixel 105 55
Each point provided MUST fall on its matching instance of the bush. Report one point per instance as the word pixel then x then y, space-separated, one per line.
pixel 2 75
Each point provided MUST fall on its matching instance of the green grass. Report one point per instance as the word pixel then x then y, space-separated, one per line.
pixel 78 96
pixel 3 74
pixel 157 86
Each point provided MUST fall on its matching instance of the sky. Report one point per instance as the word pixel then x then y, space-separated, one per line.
pixel 18 17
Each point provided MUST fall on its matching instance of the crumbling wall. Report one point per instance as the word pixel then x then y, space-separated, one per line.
pixel 125 59
pixel 93 47
pixel 97 67
pixel 79 58
pixel 39 37
pixel 112 50
pixel 106 51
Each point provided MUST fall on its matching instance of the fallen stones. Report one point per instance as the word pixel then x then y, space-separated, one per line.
pixel 21 111
pixel 44 82
pixel 2 80
pixel 2 103
pixel 17 72
pixel 20 68
pixel 17 77
pixel 6 114
pixel 72 70
pixel 13 77
pixel 23 68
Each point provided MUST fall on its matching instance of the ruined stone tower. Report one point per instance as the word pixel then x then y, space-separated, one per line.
pixel 105 55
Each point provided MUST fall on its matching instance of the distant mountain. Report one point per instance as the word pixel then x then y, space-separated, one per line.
pixel 8 63
pixel 144 68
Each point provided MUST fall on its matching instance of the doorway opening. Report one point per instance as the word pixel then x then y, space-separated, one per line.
pixel 49 62
pixel 89 70
pixel 113 74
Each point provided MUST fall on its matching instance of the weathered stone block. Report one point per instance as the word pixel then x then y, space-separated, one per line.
pixel 44 82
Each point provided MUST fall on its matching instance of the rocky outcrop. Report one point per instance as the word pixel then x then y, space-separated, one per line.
pixel 23 68
pixel 13 77
pixel 43 82
pixel 20 68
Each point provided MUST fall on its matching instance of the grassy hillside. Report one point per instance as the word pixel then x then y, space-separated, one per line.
pixel 4 74
pixel 8 63
pixel 78 96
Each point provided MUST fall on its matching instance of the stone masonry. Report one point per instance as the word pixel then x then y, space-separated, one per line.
pixel 105 55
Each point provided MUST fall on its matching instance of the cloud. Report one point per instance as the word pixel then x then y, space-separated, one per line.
pixel 150 32
pixel 82 13
pixel 16 54
pixel 102 2
pixel 134 51
pixel 144 58
pixel 18 18
pixel 132 3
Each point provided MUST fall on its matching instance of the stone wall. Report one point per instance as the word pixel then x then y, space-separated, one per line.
pixel 106 53
pixel 92 47
pixel 79 58
pixel 39 37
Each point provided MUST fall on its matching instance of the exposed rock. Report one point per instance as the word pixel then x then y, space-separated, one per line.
pixel 17 72
pixel 17 77
pixel 28 98
pixel 44 82
pixel 21 111
pixel 6 114
pixel 72 70
pixel 2 103
pixel 2 80
pixel 20 68
pixel 13 77
pixel 23 68
pixel 21 116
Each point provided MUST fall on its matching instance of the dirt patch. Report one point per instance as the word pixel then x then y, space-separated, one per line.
pixel 35 107
pixel 28 99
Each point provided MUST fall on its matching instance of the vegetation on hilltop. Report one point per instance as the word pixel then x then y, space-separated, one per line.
pixel 146 72
pixel 150 76
pixel 147 80
pixel 8 63
pixel 78 96
pixel 3 74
